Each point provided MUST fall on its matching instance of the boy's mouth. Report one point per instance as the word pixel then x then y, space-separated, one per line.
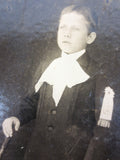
pixel 66 42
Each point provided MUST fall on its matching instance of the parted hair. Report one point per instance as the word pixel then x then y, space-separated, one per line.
pixel 86 12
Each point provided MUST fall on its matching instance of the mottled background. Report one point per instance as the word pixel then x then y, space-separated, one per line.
pixel 27 27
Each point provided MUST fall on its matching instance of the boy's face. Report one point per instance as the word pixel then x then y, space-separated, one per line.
pixel 72 32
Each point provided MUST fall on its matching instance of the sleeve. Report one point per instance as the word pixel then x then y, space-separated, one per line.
pixel 102 143
pixel 28 108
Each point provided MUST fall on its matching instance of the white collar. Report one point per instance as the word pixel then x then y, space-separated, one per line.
pixel 62 72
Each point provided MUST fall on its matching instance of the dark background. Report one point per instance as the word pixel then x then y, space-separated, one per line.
pixel 27 27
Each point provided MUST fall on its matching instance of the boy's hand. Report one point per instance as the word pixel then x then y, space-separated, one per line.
pixel 9 125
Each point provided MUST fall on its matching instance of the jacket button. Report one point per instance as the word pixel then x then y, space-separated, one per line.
pixel 50 128
pixel 53 111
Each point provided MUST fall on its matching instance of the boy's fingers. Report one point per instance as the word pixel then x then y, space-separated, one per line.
pixel 17 125
pixel 5 132
pixel 7 128
pixel 4 129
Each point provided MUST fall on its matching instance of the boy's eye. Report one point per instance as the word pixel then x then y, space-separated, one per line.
pixel 62 26
pixel 72 28
pixel 76 28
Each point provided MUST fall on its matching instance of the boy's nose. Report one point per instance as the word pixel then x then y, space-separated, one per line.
pixel 67 34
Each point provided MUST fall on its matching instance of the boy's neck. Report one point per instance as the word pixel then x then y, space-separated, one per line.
pixel 75 54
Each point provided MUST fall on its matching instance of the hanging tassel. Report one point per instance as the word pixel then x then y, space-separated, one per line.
pixel 107 108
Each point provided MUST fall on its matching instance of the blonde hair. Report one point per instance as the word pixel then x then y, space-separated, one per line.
pixel 85 11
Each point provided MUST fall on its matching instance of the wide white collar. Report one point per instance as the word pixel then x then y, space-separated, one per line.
pixel 62 72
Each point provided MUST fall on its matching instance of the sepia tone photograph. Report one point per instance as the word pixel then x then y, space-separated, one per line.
pixel 60 78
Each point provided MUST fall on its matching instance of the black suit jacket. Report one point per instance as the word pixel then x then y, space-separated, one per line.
pixel 63 132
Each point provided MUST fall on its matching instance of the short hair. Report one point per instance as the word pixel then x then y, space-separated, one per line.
pixel 86 12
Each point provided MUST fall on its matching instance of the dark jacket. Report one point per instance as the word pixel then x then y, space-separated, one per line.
pixel 63 132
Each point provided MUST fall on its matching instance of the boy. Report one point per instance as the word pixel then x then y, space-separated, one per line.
pixel 65 115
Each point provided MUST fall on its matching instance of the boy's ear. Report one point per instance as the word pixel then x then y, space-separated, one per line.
pixel 91 37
